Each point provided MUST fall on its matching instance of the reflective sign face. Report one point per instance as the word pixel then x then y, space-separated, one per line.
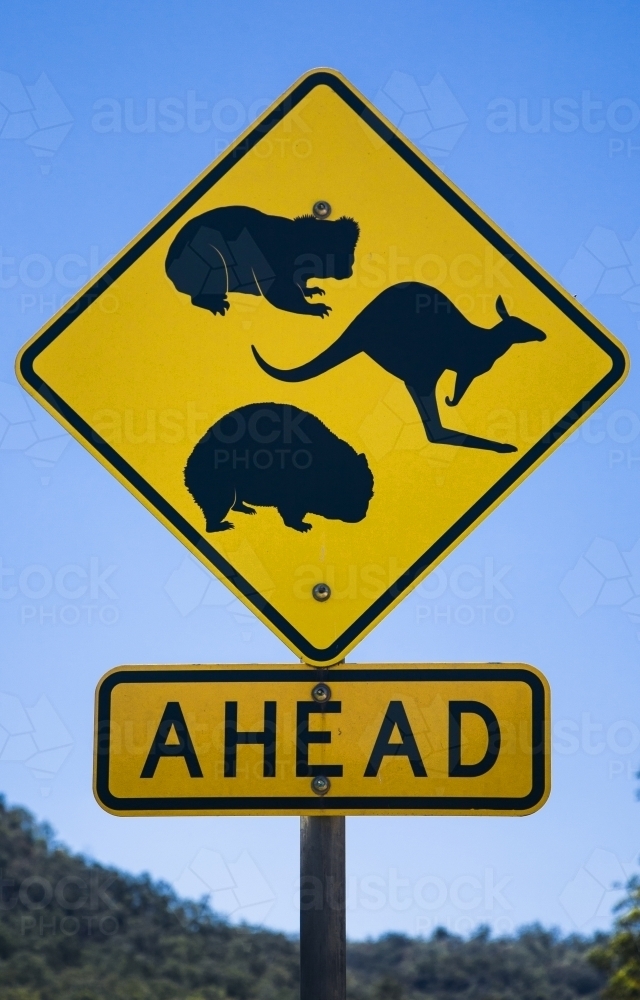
pixel 405 739
pixel 321 367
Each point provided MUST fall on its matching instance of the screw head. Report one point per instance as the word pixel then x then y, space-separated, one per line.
pixel 321 692
pixel 321 592
pixel 320 785
pixel 322 210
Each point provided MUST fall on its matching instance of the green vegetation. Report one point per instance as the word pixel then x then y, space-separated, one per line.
pixel 535 964
pixel 120 937
pixel 619 955
pixel 101 934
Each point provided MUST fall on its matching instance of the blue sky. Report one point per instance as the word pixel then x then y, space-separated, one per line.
pixel 557 564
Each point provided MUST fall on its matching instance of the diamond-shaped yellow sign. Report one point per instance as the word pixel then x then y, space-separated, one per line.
pixel 322 332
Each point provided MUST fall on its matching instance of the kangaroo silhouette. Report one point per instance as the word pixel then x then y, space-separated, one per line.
pixel 416 333
pixel 239 249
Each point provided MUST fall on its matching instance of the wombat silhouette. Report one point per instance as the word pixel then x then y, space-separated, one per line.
pixel 416 333
pixel 239 249
pixel 275 455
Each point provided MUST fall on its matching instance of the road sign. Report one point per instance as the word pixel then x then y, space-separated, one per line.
pixel 409 739
pixel 233 360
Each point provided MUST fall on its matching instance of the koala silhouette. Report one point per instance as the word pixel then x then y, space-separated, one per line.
pixel 239 249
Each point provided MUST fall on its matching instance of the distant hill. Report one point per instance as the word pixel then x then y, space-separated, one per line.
pixel 535 964
pixel 71 929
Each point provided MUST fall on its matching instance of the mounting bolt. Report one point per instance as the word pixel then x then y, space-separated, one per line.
pixel 321 692
pixel 322 210
pixel 320 785
pixel 321 592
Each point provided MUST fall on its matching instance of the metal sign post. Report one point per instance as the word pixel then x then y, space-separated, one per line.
pixel 323 937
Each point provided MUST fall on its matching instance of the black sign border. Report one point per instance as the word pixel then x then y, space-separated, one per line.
pixel 332 652
pixel 373 804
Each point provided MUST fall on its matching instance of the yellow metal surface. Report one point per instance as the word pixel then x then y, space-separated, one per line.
pixel 147 372
pixel 406 768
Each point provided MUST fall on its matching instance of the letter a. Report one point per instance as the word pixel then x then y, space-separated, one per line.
pixel 395 716
pixel 172 719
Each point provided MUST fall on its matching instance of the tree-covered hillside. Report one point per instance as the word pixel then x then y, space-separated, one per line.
pixel 74 930
pixel 533 965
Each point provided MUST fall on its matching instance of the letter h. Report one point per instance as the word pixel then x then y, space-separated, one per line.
pixel 232 738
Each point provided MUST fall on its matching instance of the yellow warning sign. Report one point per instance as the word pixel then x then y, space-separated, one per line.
pixel 321 366
pixel 467 739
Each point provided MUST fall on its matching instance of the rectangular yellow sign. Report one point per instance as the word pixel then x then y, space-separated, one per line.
pixel 404 739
